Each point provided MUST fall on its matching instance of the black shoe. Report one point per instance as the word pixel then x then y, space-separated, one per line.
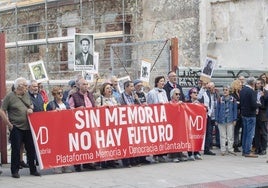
pixel 209 153
pixel 89 166
pixel 144 161
pixel 35 173
pixel 256 151
pixel 111 164
pixel 237 150
pixel 263 152
pixel 23 165
pixel 15 175
pixel 78 168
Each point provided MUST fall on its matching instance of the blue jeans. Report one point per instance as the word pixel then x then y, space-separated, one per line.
pixel 249 124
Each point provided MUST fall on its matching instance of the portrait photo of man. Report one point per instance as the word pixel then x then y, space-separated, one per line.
pixel 38 71
pixel 84 57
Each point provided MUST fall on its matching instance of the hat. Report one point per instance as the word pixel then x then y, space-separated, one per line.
pixel 71 83
pixel 137 81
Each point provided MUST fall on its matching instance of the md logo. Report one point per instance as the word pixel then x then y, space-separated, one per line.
pixel 197 123
pixel 42 135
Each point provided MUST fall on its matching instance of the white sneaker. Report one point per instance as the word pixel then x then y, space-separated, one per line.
pixel 176 160
pixel 66 169
pixel 161 159
pixel 232 152
pixel 198 157
pixel 57 170
pixel 191 158
pixel 151 159
pixel 167 159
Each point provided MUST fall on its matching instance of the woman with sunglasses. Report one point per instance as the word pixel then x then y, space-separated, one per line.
pixel 226 116
pixel 58 104
pixel 175 96
pixel 175 99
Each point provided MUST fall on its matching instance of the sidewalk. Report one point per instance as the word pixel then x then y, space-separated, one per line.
pixel 212 171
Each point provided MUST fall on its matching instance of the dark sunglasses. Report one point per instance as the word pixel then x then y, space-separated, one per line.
pixel 59 93
pixel 177 94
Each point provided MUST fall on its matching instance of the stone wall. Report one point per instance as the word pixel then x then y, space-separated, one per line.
pixel 140 20
pixel 236 33
pixel 163 19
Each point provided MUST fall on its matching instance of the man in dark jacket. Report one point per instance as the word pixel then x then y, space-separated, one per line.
pixel 248 101
pixel 260 138
pixel 36 97
pixel 38 106
pixel 171 84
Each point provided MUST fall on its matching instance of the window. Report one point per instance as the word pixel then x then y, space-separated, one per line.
pixel 33 35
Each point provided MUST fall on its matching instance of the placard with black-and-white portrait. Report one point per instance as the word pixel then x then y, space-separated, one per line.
pixel 38 71
pixel 84 53
pixel 145 71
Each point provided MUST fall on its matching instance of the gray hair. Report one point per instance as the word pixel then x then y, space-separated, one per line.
pixel 33 82
pixel 251 81
pixel 173 91
pixel 19 81
pixel 226 86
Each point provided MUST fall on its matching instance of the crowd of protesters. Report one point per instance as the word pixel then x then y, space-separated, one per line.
pixel 240 107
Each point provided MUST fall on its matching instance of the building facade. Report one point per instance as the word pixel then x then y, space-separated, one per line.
pixel 231 30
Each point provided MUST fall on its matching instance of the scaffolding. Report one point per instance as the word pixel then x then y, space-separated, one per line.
pixel 50 36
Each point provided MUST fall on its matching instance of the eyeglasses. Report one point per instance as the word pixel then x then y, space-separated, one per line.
pixel 177 94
